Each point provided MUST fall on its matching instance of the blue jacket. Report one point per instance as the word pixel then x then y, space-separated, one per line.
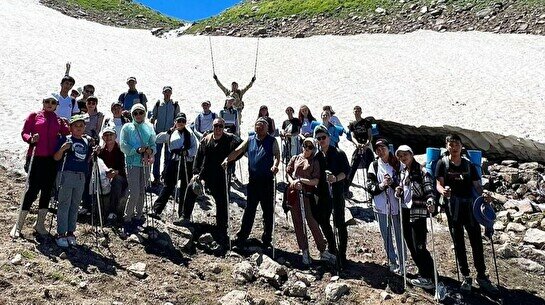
pixel 135 135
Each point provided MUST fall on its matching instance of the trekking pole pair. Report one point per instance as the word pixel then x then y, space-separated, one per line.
pixel 98 193
pixel 15 232
pixel 303 215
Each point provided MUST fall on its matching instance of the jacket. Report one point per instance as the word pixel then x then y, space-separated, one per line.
pixel 135 135
pixel 49 126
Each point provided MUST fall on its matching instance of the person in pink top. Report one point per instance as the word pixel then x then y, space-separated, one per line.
pixel 40 131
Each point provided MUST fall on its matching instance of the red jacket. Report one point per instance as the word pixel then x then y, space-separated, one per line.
pixel 49 126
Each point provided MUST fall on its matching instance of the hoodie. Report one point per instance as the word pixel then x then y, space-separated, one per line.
pixel 135 135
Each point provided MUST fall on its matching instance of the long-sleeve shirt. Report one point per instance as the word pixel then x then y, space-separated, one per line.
pixel 114 159
pixel 49 126
pixel 176 143
pixel 417 186
pixel 164 113
pixel 238 94
pixel 384 200
pixel 211 154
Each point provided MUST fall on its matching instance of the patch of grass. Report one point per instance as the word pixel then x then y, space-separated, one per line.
pixel 129 9
pixel 56 276
pixel 333 8
pixel 28 254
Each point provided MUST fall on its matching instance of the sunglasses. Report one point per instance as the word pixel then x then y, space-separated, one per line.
pixel 218 126
pixel 321 138
pixel 89 91
pixel 138 113
pixel 309 147
pixel 52 102
pixel 181 121
pixel 91 102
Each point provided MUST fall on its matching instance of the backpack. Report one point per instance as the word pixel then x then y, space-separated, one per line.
pixel 200 115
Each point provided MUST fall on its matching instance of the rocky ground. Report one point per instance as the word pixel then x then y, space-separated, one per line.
pixel 127 16
pixel 177 265
pixel 507 16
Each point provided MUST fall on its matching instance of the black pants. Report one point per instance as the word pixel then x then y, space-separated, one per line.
pixel 322 212
pixel 358 157
pixel 415 234
pixel 260 191
pixel 170 184
pixel 460 216
pixel 216 185
pixel 42 178
pixel 118 190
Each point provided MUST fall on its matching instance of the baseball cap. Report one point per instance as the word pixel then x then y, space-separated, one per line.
pixel 131 78
pixel 165 88
pixel 180 115
pixel 382 142
pixel 108 129
pixel 405 148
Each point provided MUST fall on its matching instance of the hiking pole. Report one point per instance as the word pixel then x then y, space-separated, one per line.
pixel 183 159
pixel 451 231
pixel 212 55
pixel 440 292
pixel 16 232
pixel 402 243
pixel 98 193
pixel 256 54
pixel 494 258
pixel 273 218
pixel 227 203
pixel 176 193
pixel 388 235
pixel 303 215
pixel 335 232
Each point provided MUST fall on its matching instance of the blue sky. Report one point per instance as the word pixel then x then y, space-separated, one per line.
pixel 189 10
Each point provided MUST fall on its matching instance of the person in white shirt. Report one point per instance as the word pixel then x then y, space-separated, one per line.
pixel 203 121
pixel 67 105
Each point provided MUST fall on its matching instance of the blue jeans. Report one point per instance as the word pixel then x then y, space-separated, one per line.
pixel 387 237
pixel 157 162
pixel 70 191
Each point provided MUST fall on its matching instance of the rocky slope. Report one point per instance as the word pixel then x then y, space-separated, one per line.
pixel 507 16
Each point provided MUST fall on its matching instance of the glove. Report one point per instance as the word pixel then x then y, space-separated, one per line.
pixel 253 78
pixel 215 77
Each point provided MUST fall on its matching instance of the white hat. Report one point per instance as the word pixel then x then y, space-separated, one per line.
pixel 404 148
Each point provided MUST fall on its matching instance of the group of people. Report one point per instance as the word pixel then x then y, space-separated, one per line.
pixel 72 146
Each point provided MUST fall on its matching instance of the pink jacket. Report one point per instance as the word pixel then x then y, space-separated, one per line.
pixel 48 125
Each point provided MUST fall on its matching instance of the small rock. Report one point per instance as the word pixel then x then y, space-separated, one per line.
pixel 299 35
pixel 380 10
pixel 82 285
pixel 384 295
pixel 334 291
pixel 535 237
pixel 499 226
pixel 17 260
pixel 515 227
pixel 236 297
pixel 485 12
pixel 334 278
pixel 272 271
pixel 424 9
pixel 206 239
pixel 305 278
pixel 138 270
pixel 297 289
pixel 525 206
pixel 134 239
pixel 542 225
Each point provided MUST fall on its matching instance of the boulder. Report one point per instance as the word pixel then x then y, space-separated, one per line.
pixel 236 297
pixel 533 166
pixel 297 289
pixel 272 271
pixel 243 272
pixel 515 227
pixel 499 226
pixel 535 237
pixel 507 250
pixel 305 278
pixel 525 206
pixel 528 265
pixel 138 270
pixel 17 260
pixel 334 291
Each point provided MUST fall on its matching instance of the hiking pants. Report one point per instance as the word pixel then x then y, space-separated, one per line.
pixel 70 191
pixel 387 231
pixel 322 214
pixel 216 185
pixel 170 184
pixel 358 158
pixel 415 234
pixel 41 180
pixel 117 192
pixel 312 224
pixel 464 219
pixel 260 191
pixel 137 184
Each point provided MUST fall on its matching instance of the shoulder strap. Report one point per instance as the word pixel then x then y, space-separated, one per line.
pixel 375 166
pixel 73 103
pixel 447 164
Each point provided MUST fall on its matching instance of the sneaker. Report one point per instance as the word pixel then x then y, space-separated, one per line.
pixel 83 211
pixel 348 195
pixel 307 260
pixel 466 284
pixel 394 268
pixel 422 283
pixel 486 285
pixel 112 217
pixel 62 242
pixel 71 239
pixel 328 257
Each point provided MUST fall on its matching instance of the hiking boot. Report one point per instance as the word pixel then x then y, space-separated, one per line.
pixel 182 222
pixel 62 241
pixel 39 226
pixel 466 284
pixel 328 257
pixel 18 226
pixel 348 195
pixel 71 239
pixel 486 285
pixel 307 260
pixel 422 283
pixel 394 268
